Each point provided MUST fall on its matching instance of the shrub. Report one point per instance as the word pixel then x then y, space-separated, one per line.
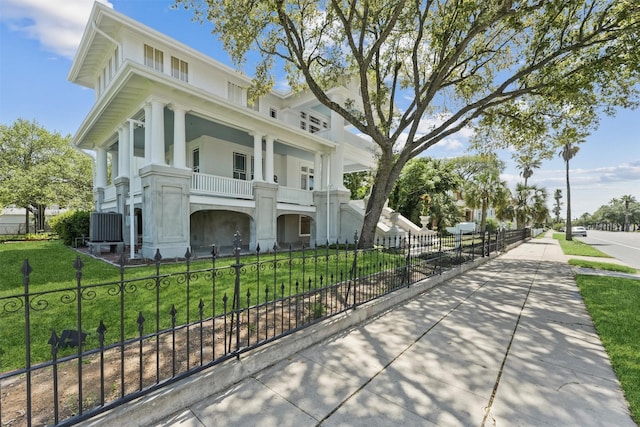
pixel 491 225
pixel 71 224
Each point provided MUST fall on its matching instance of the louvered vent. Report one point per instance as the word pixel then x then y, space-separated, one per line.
pixel 105 227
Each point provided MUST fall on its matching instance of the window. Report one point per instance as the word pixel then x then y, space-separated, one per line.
pixel 236 94
pixel 273 113
pixel 306 178
pixel 195 160
pixel 179 69
pixel 312 123
pixel 240 166
pixel 153 58
pixel 305 226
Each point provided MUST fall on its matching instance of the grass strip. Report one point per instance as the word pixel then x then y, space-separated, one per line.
pixel 613 305
pixel 576 247
pixel 602 266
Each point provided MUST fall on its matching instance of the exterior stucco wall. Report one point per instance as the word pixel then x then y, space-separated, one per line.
pixel 217 228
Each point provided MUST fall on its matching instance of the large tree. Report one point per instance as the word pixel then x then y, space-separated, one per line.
pixel 447 61
pixel 39 169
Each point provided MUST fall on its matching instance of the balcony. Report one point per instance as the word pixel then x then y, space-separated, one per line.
pixel 213 185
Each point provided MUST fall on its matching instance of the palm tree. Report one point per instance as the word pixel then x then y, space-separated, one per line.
pixel 526 163
pixel 521 205
pixel 569 137
pixel 486 190
pixel 529 205
pixel 556 209
pixel 626 199
pixel 540 211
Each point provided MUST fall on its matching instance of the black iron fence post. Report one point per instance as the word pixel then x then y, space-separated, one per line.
pixel 157 258
pixel 214 254
pixel 78 266
pixel 237 241
pixel 407 264
pixel 473 245
pixel 26 271
pixel 354 266
pixel 187 257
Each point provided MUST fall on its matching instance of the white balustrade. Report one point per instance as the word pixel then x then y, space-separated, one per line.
pixel 295 196
pixel 220 186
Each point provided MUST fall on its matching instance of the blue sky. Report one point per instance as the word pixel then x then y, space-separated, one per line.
pixel 38 39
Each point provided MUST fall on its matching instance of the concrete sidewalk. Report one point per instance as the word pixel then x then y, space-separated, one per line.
pixel 509 343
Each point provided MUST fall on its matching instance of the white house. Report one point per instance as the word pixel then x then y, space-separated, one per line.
pixel 195 161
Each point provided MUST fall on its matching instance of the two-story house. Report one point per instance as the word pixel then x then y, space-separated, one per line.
pixel 192 161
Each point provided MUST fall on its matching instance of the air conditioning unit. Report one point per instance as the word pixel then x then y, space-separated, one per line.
pixel 105 227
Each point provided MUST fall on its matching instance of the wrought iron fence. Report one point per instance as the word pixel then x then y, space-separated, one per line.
pixel 69 353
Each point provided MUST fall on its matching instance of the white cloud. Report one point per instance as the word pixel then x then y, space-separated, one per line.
pixel 453 142
pixel 56 25
pixel 590 188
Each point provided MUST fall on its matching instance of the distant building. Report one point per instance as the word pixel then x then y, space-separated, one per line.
pixel 12 220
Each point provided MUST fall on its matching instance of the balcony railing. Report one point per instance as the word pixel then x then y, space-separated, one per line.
pixel 295 196
pixel 220 186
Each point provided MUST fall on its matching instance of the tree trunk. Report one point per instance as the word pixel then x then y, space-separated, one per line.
pixel 386 175
pixel 567 231
pixel 40 218
pixel 373 210
pixel 483 216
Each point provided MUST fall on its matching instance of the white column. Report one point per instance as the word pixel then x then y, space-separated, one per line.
pixel 257 157
pixel 157 133
pixel 268 160
pixel 101 168
pixel 123 151
pixel 317 172
pixel 336 169
pixel 337 136
pixel 179 138
pixel 148 123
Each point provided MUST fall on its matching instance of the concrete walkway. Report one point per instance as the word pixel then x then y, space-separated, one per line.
pixel 509 343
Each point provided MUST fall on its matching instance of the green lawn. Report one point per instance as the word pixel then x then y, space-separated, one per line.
pixel 54 298
pixel 576 247
pixel 613 304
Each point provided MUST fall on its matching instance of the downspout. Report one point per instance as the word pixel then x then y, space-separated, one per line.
pixel 328 194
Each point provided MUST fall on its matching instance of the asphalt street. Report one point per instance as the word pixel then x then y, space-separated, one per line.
pixel 623 246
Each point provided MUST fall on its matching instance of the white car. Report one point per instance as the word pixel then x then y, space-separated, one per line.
pixel 579 231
